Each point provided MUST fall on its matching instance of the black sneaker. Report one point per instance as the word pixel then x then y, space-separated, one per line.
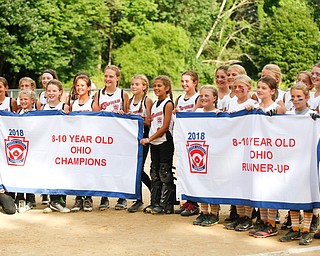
pixel 287 222
pixel 232 225
pixel 135 206
pixel 104 203
pixel 305 239
pixel 78 205
pixel 314 223
pixel 210 220
pixel 182 208
pixel 201 218
pixel 291 235
pixel 190 210
pixel 258 227
pixel 244 225
pixel 266 232
pixel 87 205
pixel 121 204
pixel 317 235
pixel 157 210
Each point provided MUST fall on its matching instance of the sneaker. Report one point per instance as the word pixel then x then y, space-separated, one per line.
pixel 232 225
pixel 121 204
pixel 87 205
pixel 232 215
pixel 287 222
pixel 104 203
pixel 266 232
pixel 244 225
pixel 210 220
pixel 278 217
pixel 29 206
pixel 201 218
pixel 56 206
pixel 305 239
pixel 190 210
pixel 47 210
pixel 148 209
pixel 135 206
pixel 45 199
pixel 22 206
pixel 317 235
pixel 78 205
pixel 157 210
pixel 291 235
pixel 258 227
pixel 314 223
pixel 182 208
pixel 169 209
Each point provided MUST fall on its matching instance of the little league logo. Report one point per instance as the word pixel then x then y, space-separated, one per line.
pixel 198 156
pixel 16 150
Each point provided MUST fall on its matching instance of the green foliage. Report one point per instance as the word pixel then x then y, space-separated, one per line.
pixel 160 50
pixel 61 34
pixel 289 39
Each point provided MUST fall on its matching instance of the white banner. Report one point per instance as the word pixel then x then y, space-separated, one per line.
pixel 83 153
pixel 248 158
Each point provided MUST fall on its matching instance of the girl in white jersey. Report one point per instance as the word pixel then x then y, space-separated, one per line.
pixel 208 100
pixel 232 72
pixel 6 103
pixel 266 89
pixel 242 86
pixel 140 104
pixel 54 92
pixel 314 100
pixel 28 83
pixel 299 96
pixel 304 77
pixel 27 99
pixel 111 99
pixel 82 88
pixel 45 77
pixel 161 148
pixel 188 102
pixel 221 76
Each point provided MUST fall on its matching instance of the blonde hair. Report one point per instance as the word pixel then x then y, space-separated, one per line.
pixel 30 80
pixel 244 79
pixel 145 82
pixel 240 70
pixel 30 94
pixel 213 90
pixel 275 69
pixel 302 87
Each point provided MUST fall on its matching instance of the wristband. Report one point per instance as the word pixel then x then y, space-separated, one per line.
pixel 148 141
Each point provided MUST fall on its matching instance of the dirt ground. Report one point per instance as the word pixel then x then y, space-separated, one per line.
pixel 114 232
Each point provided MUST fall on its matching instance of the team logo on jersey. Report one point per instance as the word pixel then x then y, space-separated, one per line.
pixel 16 150
pixel 198 156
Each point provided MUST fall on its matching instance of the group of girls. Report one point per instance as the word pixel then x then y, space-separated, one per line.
pixel 233 93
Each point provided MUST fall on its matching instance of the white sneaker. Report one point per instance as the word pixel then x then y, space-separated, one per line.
pixel 56 206
pixel 47 210
pixel 22 206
